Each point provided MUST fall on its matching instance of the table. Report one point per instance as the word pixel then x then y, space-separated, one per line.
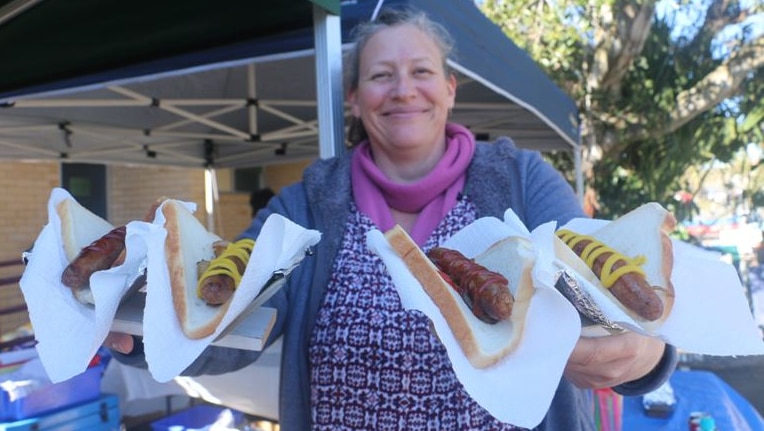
pixel 253 389
pixel 696 390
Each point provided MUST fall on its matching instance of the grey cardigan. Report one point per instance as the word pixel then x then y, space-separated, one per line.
pixel 500 176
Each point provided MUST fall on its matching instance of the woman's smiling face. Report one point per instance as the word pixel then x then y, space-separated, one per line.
pixel 403 95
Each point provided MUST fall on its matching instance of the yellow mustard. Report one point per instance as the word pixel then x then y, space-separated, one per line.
pixel 225 265
pixel 595 249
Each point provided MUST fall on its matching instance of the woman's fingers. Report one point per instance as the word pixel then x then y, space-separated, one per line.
pixel 612 360
pixel 119 342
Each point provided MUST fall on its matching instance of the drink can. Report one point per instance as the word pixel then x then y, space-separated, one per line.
pixel 694 421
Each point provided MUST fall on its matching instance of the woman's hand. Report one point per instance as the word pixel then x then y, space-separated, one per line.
pixel 119 342
pixel 609 361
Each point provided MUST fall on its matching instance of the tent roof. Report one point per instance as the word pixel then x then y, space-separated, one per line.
pixel 228 83
pixel 57 44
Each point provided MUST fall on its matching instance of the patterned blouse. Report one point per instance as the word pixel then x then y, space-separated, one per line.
pixel 375 365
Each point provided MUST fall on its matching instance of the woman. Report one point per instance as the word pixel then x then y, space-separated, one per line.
pixel 353 359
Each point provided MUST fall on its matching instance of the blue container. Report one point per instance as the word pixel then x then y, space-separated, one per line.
pixel 58 396
pixel 196 417
pixel 101 414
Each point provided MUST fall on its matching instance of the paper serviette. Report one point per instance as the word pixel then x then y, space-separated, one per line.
pixel 69 333
pixel 519 389
pixel 281 244
pixel 710 315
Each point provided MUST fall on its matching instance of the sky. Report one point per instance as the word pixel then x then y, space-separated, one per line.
pixel 691 14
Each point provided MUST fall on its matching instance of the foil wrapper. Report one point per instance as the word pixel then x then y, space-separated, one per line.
pixel 661 402
pixel 583 302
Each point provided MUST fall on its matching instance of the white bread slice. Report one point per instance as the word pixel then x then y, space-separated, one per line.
pixel 189 242
pixel 79 227
pixel 483 344
pixel 642 231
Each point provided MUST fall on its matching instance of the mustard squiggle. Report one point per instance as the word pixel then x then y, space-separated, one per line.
pixel 595 249
pixel 224 264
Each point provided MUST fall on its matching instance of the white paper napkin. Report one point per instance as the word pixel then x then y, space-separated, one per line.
pixel 520 388
pixel 69 333
pixel 281 244
pixel 710 314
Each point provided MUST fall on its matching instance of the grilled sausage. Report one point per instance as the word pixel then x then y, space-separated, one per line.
pixel 221 277
pixel 99 255
pixel 485 292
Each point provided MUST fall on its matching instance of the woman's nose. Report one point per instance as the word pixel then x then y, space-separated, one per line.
pixel 404 87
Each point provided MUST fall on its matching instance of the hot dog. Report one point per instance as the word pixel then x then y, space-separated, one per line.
pixel 484 344
pixel 105 251
pixel 90 244
pixel 189 250
pixel 630 260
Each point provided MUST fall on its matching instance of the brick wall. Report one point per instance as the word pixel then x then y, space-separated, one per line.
pixel 278 176
pixel 132 190
pixel 235 211
pixel 25 190
pixel 234 214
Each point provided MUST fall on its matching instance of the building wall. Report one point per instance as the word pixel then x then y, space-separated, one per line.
pixel 25 189
pixel 235 212
pixel 278 176
pixel 131 192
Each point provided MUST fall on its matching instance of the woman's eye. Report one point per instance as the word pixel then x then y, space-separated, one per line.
pixel 380 75
pixel 422 72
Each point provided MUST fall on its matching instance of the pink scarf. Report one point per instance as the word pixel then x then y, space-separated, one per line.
pixel 432 197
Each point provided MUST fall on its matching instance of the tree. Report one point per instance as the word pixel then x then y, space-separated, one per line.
pixel 656 97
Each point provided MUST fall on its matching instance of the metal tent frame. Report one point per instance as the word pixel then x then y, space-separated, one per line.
pixel 240 95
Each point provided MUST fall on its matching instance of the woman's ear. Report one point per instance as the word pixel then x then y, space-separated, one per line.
pixel 451 83
pixel 352 100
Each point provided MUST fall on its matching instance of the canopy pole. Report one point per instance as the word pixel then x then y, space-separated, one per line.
pixel 251 98
pixel 579 174
pixel 210 198
pixel 331 121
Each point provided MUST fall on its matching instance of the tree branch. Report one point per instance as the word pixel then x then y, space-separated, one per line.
pixel 718 16
pixel 633 27
pixel 722 83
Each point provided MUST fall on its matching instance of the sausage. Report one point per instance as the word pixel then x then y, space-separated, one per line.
pixel 99 255
pixel 629 285
pixel 485 292
pixel 219 279
pixel 217 289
